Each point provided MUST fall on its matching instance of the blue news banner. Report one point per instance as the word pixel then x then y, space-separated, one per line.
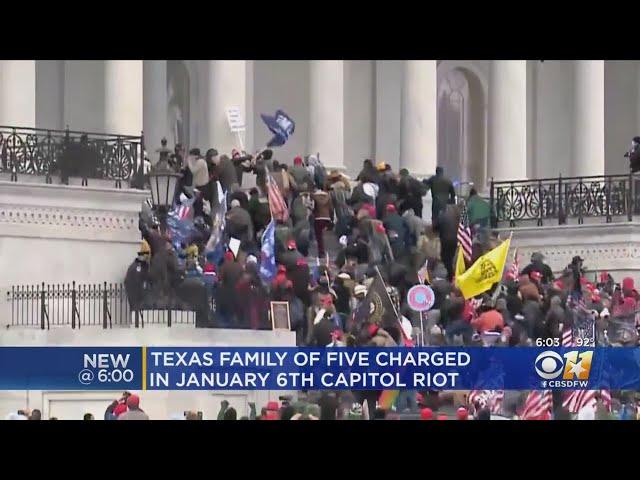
pixel 219 368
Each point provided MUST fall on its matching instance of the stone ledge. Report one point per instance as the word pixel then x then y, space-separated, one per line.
pixel 33 194
pixel 614 247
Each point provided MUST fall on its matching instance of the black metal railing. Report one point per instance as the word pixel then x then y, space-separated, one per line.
pixel 563 199
pixel 83 305
pixel 33 151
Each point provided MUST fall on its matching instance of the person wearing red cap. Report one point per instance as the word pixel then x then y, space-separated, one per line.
pixel 134 411
pixel 270 412
pixel 426 414
pixel 537 265
pixel 289 258
pixel 368 210
pixel 301 175
pixel 536 280
pixel 119 410
pixel 629 289
pixel 462 414
pixel 536 276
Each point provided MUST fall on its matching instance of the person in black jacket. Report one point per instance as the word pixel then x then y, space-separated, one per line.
pixel 448 231
pixel 537 265
pixel 226 173
pixel 576 270
pixel 410 193
pixel 241 163
pixel 634 155
pixel 397 231
pixel 368 173
pixel 442 193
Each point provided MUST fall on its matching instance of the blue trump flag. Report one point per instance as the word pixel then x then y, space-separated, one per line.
pixel 215 247
pixel 268 257
pixel 281 125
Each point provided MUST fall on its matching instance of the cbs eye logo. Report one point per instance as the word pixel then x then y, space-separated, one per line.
pixel 572 365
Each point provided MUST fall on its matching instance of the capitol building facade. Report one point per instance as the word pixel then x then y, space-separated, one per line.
pixel 501 119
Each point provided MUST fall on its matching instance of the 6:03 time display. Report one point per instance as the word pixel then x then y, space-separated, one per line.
pixel 115 376
pixel 555 342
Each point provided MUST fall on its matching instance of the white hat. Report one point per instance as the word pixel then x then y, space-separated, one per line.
pixel 235 203
pixel 604 313
pixel 252 259
pixel 15 416
pixel 360 289
pixel 435 330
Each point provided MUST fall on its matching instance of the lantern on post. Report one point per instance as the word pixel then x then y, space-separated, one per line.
pixel 163 181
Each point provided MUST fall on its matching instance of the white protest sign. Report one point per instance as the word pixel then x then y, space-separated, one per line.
pixel 234 246
pixel 236 122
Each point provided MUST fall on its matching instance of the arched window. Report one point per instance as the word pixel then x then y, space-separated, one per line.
pixel 179 98
pixel 461 125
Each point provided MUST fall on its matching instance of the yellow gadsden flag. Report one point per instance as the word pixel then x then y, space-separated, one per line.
pixel 460 265
pixel 486 271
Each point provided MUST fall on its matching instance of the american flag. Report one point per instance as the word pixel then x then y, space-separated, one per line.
pixel 567 337
pixel 183 211
pixel 514 269
pixel 278 206
pixel 576 400
pixel 537 404
pixel 487 398
pixel 464 233
pixel 576 302
pixel 476 303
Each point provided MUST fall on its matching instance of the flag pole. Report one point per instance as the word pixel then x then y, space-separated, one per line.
pixel 404 336
pixel 496 293
pixel 385 286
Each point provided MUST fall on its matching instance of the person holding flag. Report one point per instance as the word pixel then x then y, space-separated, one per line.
pixel 485 272
pixel 268 253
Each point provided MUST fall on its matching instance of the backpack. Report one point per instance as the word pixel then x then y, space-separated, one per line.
pixel 320 176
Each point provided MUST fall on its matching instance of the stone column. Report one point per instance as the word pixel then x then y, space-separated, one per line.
pixel 507 152
pixel 18 93
pixel 588 122
pixel 225 87
pixel 123 85
pixel 326 111
pixel 155 106
pixel 418 150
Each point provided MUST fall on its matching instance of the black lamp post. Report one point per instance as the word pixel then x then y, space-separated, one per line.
pixel 163 181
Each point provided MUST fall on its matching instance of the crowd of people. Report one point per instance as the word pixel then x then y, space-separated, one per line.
pixel 334 235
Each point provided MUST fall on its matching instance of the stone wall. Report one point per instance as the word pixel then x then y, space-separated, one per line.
pixel 60 234
pixel 614 247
